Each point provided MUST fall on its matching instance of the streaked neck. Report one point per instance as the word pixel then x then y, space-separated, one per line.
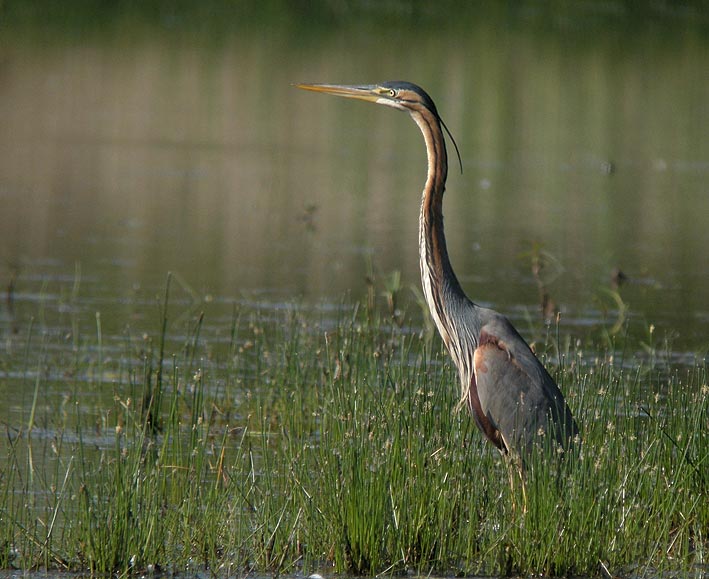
pixel 440 285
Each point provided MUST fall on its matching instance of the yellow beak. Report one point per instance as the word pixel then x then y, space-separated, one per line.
pixel 363 93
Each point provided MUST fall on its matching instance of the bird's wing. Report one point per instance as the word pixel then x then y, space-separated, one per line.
pixel 516 394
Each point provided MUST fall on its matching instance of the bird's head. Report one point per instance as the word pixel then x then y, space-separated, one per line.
pixel 405 96
pixel 400 95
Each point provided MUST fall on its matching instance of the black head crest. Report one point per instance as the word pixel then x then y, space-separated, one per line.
pixel 427 101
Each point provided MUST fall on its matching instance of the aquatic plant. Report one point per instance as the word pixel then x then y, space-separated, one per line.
pixel 302 444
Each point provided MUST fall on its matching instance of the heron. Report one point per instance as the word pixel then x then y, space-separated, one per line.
pixel 513 399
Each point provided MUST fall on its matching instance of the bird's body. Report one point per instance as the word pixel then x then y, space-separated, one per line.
pixel 513 399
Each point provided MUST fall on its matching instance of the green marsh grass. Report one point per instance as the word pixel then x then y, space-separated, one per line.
pixel 302 445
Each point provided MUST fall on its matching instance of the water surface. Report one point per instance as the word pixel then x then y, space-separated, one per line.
pixel 136 144
pixel 138 141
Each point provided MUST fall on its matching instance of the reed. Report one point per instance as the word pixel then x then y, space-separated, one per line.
pixel 303 445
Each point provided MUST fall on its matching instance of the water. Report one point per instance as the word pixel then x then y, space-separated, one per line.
pixel 137 143
pixel 176 142
pixel 149 143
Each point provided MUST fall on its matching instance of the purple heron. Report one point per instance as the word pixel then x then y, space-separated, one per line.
pixel 513 399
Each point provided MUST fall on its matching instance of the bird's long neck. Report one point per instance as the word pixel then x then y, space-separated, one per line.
pixel 440 285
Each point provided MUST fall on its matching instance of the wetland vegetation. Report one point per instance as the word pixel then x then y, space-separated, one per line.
pixel 290 445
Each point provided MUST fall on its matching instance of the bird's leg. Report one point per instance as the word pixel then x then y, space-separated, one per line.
pixel 513 463
pixel 510 477
pixel 520 472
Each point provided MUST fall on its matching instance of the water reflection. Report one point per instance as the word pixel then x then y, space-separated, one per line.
pixel 148 150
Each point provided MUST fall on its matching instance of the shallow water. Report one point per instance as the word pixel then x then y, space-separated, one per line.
pixel 134 145
pixel 143 150
pixel 146 145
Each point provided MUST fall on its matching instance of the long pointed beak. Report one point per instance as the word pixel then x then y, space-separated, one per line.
pixel 363 93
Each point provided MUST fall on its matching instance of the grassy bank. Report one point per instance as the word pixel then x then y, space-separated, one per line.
pixel 282 446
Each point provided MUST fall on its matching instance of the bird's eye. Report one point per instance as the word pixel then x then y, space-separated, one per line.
pixel 392 93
